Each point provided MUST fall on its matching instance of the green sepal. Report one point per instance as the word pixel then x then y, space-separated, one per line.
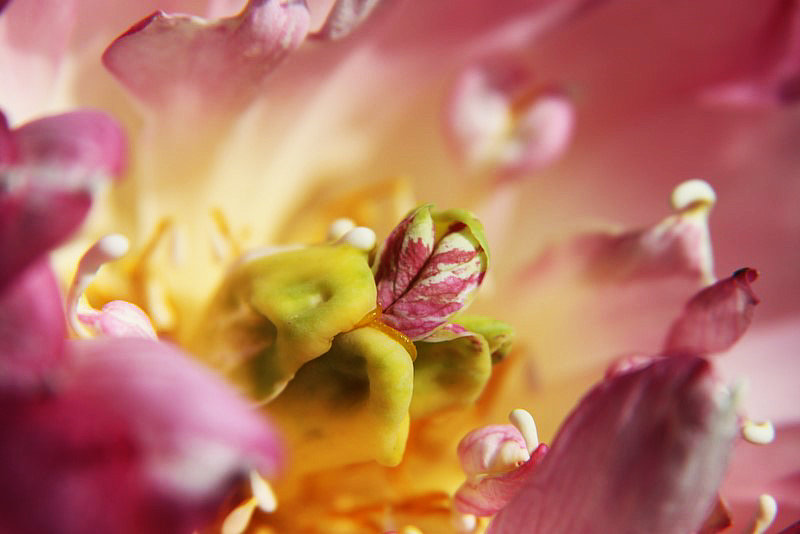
pixel 498 334
pixel 450 373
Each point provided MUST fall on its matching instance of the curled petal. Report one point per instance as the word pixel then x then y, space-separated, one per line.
pixel 498 118
pixel 199 65
pixel 32 328
pixel 48 169
pixel 134 437
pixel 716 317
pixel 119 318
pixel 488 495
pixel 346 16
pixel 489 448
pixel 644 451
pixel 428 269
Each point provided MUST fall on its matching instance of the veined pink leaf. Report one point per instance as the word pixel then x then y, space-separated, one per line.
pixel 428 269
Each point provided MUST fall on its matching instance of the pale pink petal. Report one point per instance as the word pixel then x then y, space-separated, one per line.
pixel 345 16
pixel 202 66
pixel 501 118
pixel 715 318
pixel 604 294
pixel 773 469
pixel 643 452
pixel 766 360
pixel 34 39
pixel 133 438
pixel 32 328
pixel 120 319
pixel 48 170
pixel 478 451
pixel 488 495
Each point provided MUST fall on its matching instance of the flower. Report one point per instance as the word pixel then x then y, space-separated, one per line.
pixel 262 122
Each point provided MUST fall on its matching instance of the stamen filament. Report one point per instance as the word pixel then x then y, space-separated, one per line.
pixel 109 248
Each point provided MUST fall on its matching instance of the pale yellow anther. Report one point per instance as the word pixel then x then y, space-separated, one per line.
pixel 767 510
pixel 360 237
pixel 236 522
pixel 464 523
pixel 523 421
pixel 693 193
pixel 410 529
pixel 339 228
pixel 262 492
pixel 758 433
pixel 109 248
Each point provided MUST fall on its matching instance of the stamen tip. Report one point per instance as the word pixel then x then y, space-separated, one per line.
pixel 691 193
pixel 114 245
pixel 360 237
pixel 758 433
pixel 339 228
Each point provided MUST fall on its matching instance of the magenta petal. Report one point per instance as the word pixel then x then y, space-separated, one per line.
pixel 346 16
pixel 185 62
pixel 134 438
pixel 87 140
pixel 716 317
pixel 32 328
pixel 643 452
pixel 48 169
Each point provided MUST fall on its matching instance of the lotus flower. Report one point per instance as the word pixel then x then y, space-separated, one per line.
pixel 276 145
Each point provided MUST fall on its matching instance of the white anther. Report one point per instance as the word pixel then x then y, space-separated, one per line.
pixel 236 522
pixel 693 193
pixel 361 237
pixel 758 433
pixel 767 510
pixel 262 492
pixel 523 421
pixel 339 228
pixel 109 248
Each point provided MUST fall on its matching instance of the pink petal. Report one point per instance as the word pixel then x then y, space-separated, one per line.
pixel 643 452
pixel 49 168
pixel 487 496
pixel 346 16
pixel 198 66
pixel 32 328
pixel 135 438
pixel 120 319
pixel 716 317
pixel 500 117
pixel 776 81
